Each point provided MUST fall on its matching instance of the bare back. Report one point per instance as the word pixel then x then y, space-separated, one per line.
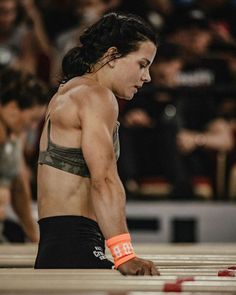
pixel 60 192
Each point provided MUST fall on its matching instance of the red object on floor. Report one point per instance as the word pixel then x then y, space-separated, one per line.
pixel 172 287
pixel 226 273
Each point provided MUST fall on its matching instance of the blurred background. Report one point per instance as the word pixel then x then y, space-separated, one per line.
pixel 177 136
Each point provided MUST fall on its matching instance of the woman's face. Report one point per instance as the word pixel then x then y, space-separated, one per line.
pixel 7 15
pixel 132 71
pixel 29 118
pixel 19 120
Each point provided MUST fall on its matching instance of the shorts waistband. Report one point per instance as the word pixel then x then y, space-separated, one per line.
pixel 69 225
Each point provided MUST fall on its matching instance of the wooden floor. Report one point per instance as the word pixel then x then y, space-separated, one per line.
pixel 189 269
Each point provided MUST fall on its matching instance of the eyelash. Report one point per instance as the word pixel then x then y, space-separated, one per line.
pixel 142 66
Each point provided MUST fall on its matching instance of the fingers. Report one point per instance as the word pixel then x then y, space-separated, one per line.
pixel 140 271
pixel 139 267
pixel 143 271
pixel 154 271
pixel 148 271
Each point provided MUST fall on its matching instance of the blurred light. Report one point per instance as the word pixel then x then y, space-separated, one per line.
pixel 5 56
pixel 170 111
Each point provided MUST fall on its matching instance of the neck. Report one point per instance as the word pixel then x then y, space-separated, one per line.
pixel 98 76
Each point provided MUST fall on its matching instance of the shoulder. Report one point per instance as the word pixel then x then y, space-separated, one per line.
pixel 95 97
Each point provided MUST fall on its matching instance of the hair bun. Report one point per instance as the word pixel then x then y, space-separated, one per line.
pixel 72 59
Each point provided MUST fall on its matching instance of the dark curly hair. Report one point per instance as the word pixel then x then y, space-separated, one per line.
pixel 25 89
pixel 123 31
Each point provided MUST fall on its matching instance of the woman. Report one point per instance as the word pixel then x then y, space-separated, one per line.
pixel 22 105
pixel 80 196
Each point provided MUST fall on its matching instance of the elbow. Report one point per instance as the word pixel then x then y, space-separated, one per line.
pixel 103 181
pixel 100 183
pixel 103 177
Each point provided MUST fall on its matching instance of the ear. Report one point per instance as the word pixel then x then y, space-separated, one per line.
pixel 112 54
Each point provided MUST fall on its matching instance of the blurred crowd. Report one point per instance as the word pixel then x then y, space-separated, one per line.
pixel 177 135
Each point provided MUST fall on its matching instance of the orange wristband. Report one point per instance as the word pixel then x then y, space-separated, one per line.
pixel 121 249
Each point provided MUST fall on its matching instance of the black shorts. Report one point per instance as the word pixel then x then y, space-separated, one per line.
pixel 71 242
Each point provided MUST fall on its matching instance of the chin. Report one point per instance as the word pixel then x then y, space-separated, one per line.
pixel 125 96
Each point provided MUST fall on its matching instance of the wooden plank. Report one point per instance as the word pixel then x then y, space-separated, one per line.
pixel 92 275
pixel 203 261
pixel 223 261
pixel 179 272
pixel 142 248
pixel 17 260
pixel 190 257
pixel 23 262
pixel 123 284
pixel 26 248
pixel 203 248
pixel 171 257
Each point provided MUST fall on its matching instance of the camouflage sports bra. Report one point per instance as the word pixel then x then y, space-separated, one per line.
pixel 71 160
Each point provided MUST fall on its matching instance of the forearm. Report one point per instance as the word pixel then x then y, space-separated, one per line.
pixel 22 205
pixel 108 197
pixel 40 35
pixel 213 141
pixel 218 136
pixel 109 205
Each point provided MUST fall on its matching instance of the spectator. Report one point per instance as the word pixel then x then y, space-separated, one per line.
pixel 150 124
pixel 21 107
pixel 202 128
pixel 221 15
pixel 227 108
pixel 22 41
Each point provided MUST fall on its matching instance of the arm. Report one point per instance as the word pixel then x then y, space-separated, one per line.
pixel 34 41
pixel 38 28
pixel 107 193
pixel 218 136
pixel 21 204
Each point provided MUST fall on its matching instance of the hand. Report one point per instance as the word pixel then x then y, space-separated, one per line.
pixel 138 267
pixel 32 232
pixel 137 117
pixel 186 141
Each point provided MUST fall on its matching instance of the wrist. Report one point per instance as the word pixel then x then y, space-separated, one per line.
pixel 200 139
pixel 121 248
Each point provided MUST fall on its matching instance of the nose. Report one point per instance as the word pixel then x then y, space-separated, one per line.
pixel 146 76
